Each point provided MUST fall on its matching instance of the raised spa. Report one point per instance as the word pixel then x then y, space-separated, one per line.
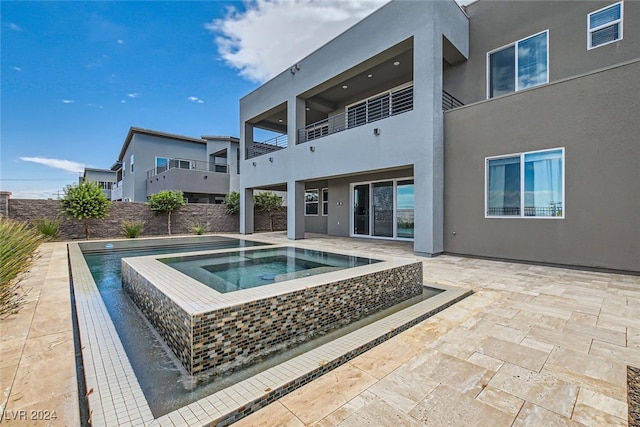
pixel 229 272
pixel 273 304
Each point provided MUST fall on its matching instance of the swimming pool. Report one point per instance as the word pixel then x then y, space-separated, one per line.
pixel 212 330
pixel 229 272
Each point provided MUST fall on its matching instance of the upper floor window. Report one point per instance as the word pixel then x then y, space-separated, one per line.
pixel 526 184
pixel 131 161
pixel 604 26
pixel 124 169
pixel 311 202
pixel 518 66
pixel 162 164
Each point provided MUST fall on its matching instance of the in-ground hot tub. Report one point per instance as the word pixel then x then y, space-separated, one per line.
pixel 210 331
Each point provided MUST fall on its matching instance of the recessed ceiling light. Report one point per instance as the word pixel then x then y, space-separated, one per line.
pixel 369 75
pixel 308 109
pixel 345 87
pixel 280 120
pixel 395 64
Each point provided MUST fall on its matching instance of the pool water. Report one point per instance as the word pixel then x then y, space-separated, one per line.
pixel 165 383
pixel 229 272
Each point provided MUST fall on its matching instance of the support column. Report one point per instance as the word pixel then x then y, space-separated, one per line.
pixel 295 210
pixel 4 204
pixel 246 211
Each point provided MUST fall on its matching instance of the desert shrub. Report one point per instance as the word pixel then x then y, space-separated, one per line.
pixel 48 228
pixel 19 243
pixel 232 203
pixel 132 229
pixel 166 201
pixel 84 202
pixel 198 228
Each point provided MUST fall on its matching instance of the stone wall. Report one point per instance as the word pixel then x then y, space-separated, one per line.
pixel 213 216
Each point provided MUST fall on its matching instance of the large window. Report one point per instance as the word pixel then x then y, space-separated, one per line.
pixel 162 164
pixel 311 202
pixel 604 26
pixel 518 66
pixel 131 162
pixel 526 185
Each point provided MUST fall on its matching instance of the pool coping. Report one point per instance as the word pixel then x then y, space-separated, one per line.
pixel 194 297
pixel 115 397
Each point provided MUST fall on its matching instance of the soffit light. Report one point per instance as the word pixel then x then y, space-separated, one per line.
pixel 395 64
pixel 345 87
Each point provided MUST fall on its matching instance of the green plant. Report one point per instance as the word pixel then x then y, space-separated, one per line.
pixel 267 201
pixel 166 201
pixel 132 229
pixel 232 203
pixel 198 228
pixel 84 202
pixel 17 253
pixel 49 228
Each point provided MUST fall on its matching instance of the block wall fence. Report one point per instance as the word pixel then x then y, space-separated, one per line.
pixel 214 216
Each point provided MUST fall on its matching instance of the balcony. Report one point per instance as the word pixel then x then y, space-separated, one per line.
pixel 195 165
pixel 189 176
pixel 260 148
pixel 116 191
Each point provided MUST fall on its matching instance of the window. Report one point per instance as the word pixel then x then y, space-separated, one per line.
pixel 131 161
pixel 518 66
pixel 124 169
pixel 162 164
pixel 311 202
pixel 604 26
pixel 528 184
pixel 325 201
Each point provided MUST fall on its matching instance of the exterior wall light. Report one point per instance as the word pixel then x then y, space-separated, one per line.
pixel 254 163
pixel 312 148
pixel 271 159
pixel 205 177
pixel 376 131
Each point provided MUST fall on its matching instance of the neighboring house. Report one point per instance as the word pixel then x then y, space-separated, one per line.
pixel 105 178
pixel 204 169
pixel 541 164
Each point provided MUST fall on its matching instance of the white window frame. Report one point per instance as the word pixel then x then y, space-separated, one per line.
pixel 618 22
pixel 515 44
pixel 310 190
pixel 131 163
pixel 325 201
pixel 522 185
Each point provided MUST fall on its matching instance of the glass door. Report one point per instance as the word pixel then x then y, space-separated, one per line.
pixel 382 207
pixel 404 210
pixel 361 209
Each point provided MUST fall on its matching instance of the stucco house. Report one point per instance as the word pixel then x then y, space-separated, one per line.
pixel 502 129
pixel 205 169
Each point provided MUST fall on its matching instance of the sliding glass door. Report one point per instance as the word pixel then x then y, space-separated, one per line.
pixel 383 209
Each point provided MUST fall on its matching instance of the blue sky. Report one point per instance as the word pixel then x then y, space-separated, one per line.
pixel 76 75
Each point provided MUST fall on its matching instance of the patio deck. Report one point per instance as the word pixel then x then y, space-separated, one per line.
pixel 533 345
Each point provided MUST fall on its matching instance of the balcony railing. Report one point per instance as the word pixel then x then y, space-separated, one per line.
pixel 199 165
pixel 260 148
pixel 449 101
pixel 367 111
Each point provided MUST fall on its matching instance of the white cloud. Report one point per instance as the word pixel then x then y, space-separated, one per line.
pixel 120 41
pixel 68 101
pixel 67 165
pixel 295 28
pixel 133 95
pixel 195 99
pixel 14 27
pixel 17 68
pixel 122 101
pixel 95 106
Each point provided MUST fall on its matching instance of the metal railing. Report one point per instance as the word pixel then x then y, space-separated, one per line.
pixel 548 211
pixel 198 165
pixel 449 101
pixel 367 111
pixel 269 146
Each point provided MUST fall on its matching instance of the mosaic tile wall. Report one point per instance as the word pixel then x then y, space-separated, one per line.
pixel 233 336
pixel 171 321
